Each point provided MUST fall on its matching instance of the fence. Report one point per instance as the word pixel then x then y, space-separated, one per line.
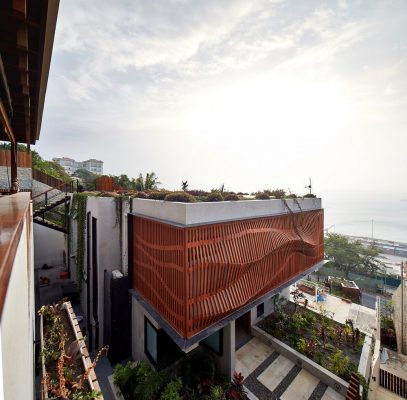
pixel 24 159
pixel 393 383
pixel 106 184
pixel 52 181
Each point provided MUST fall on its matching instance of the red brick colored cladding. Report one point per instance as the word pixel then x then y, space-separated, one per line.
pixel 195 276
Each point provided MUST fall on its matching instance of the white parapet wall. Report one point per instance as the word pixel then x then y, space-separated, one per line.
pixel 49 246
pixel 211 212
pixel 17 324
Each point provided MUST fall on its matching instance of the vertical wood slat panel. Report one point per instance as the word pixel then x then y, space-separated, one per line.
pixel 194 276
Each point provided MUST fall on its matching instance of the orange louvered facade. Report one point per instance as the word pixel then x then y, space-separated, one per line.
pixel 195 276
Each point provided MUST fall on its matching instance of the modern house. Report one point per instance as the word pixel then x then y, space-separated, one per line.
pixel 70 165
pixel 203 272
pixel 26 41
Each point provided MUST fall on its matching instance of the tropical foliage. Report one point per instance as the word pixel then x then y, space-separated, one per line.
pixel 335 346
pixel 351 255
pixel 196 377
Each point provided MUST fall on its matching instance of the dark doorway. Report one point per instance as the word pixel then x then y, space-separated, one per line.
pixel 242 330
pixel 95 287
pixel 117 317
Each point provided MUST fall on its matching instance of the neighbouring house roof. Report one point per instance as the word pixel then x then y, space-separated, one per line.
pixel 27 29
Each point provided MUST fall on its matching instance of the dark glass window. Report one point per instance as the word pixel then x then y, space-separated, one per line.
pixel 215 342
pixel 150 341
pixel 260 310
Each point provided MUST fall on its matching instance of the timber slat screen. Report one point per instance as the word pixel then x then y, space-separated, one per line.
pixel 105 184
pixel 24 159
pixel 195 276
pixel 393 383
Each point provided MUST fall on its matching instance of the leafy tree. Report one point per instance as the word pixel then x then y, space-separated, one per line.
pixel 150 182
pixel 49 167
pixel 351 255
pixel 85 176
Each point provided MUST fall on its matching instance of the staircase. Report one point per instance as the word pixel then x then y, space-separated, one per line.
pixel 41 210
pixel 48 204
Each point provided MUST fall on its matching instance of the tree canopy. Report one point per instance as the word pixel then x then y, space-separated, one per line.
pixel 351 255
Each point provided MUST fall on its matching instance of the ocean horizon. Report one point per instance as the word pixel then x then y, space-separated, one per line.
pixel 354 217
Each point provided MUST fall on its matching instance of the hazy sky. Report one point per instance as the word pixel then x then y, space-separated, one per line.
pixel 253 94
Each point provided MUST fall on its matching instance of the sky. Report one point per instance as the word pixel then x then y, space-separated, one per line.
pixel 253 94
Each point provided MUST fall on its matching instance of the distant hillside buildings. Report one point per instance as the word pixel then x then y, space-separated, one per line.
pixel 70 165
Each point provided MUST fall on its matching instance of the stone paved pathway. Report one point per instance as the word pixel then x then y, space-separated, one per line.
pixel 274 377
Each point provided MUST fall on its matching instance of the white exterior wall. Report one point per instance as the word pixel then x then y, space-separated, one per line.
pixel 137 338
pixel 207 212
pixel 49 246
pixel 17 327
pixel 268 309
pixel 108 250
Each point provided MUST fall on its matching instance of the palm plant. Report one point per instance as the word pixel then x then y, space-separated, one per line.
pixel 150 182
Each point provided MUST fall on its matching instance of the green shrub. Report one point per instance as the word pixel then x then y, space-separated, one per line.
pixel 338 364
pixel 197 368
pixel 291 196
pixel 214 196
pixel 172 390
pixel 309 196
pixel 137 381
pixel 302 345
pixel 181 197
pixel 262 196
pixel 141 195
pixel 278 193
pixel 195 192
pixel 232 197
pixel 158 195
pixel 125 378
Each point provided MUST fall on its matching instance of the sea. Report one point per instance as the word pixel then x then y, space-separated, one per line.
pixel 378 217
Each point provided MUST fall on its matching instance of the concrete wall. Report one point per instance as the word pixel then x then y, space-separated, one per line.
pixel 268 309
pixel 17 327
pixel 49 246
pixel 203 213
pixel 108 250
pixel 137 330
pixel 398 311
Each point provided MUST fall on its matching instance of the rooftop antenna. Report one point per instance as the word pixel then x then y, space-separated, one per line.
pixel 309 186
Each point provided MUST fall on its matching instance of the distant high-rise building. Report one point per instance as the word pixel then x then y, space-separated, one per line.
pixel 70 165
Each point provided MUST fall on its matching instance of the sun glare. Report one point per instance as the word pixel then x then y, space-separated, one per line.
pixel 268 106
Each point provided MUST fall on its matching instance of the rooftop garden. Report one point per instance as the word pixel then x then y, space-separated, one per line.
pixel 192 196
pixel 194 377
pixel 330 344
pixel 67 371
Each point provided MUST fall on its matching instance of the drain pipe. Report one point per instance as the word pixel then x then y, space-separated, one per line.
pixel 88 319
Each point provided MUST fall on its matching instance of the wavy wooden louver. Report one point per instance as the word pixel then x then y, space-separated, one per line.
pixel 195 276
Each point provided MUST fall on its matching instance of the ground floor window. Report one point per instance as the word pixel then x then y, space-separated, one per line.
pixel 150 341
pixel 215 342
pixel 260 310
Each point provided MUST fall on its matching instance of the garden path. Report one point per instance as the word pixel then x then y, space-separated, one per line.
pixel 269 375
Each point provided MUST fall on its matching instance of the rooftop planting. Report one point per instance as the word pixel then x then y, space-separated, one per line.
pixel 194 377
pixel 64 374
pixel 332 345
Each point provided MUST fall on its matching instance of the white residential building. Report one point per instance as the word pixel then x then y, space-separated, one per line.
pixel 70 165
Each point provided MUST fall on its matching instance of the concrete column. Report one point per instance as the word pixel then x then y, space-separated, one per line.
pixel 226 363
pixel 137 332
pixel 286 292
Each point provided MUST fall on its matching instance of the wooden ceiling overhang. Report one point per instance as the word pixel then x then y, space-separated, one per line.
pixel 27 29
